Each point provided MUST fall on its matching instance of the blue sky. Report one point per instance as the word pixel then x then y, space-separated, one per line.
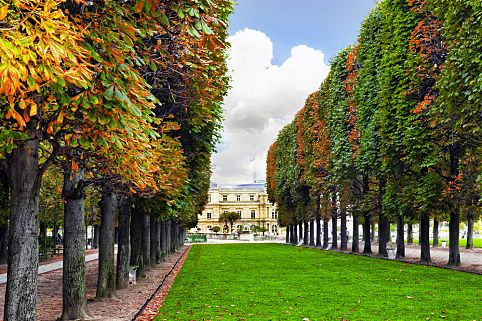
pixel 328 25
pixel 280 52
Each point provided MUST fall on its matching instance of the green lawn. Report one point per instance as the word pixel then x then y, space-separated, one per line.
pixel 462 242
pixel 280 282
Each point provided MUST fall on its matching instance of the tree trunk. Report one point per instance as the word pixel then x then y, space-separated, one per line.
pixel 355 245
pixel 153 239
pixel 409 233
pixel 124 248
pixel 136 241
pixel 435 232
pixel 470 229
pixel 318 231
pixel 43 238
pixel 325 232
pixel 95 241
pixel 163 239
pixel 169 236
pixel 3 242
pixel 295 234
pixel 106 287
pixel 367 248
pixel 300 234
pixel 344 236
pixel 287 240
pixel 372 223
pixel 400 237
pixel 312 233
pixel 158 241
pixel 334 221
pixel 305 233
pixel 73 282
pixel 454 230
pixel 425 239
pixel 382 240
pixel 146 240
pixel 21 292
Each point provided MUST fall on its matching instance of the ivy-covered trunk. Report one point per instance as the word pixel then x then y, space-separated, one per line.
pixel 355 245
pixel 153 239
pixel 136 241
pixel 123 248
pixel 325 232
pixel 382 232
pixel 106 287
pixel 312 233
pixel 470 229
pixel 425 238
pixel 305 233
pixel 146 240
pixel 435 233
pixel 21 292
pixel 400 237
pixel 367 248
pixel 74 305
pixel 344 236
pixel 409 233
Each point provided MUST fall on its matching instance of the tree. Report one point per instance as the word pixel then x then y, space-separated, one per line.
pixel 229 217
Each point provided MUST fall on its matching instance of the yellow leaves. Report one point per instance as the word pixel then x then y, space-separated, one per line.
pixel 3 12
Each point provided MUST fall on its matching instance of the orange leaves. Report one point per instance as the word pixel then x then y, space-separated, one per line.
pixel 3 12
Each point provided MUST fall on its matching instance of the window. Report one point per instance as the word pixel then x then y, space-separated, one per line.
pixel 209 201
pixel 209 227
pixel 238 198
pixel 225 211
pixel 251 198
pixel 272 214
pixel 274 229
pixel 253 213
pixel 208 215
pixel 225 198
pixel 239 212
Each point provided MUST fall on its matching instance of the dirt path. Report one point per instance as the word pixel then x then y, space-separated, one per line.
pixel 49 303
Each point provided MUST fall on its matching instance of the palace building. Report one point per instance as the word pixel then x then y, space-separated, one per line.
pixel 249 200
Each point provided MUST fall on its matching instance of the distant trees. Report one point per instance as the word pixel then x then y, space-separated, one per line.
pixel 229 217
pixel 391 134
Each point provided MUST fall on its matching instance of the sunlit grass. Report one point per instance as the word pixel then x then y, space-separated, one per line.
pixel 280 282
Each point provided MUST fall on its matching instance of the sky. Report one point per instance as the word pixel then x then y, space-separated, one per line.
pixel 280 53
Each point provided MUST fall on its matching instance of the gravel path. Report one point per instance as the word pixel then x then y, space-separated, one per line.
pixel 49 302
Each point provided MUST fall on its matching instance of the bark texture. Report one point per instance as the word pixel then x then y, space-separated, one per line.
pixel 454 231
pixel 367 248
pixel 312 233
pixel 435 233
pixel 325 233
pixel 21 292
pixel 124 248
pixel 400 237
pixel 3 242
pixel 344 236
pixel 146 240
pixel 334 228
pixel 382 233
pixel 106 287
pixel 425 239
pixel 470 229
pixel 153 239
pixel 74 302
pixel 355 245
pixel 409 233
pixel 305 233
pixel 136 241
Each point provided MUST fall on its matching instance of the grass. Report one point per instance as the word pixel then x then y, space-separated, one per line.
pixel 462 242
pixel 280 282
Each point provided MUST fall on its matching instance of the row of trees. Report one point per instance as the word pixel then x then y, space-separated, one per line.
pixel 394 132
pixel 123 96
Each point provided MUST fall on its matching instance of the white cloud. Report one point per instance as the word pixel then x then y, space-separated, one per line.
pixel 264 98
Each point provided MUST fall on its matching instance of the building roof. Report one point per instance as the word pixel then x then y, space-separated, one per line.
pixel 258 185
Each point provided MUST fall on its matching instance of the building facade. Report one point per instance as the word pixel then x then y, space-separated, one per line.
pixel 249 200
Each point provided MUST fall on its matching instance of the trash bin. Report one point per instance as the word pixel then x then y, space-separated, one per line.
pixel 132 274
pixel 391 253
